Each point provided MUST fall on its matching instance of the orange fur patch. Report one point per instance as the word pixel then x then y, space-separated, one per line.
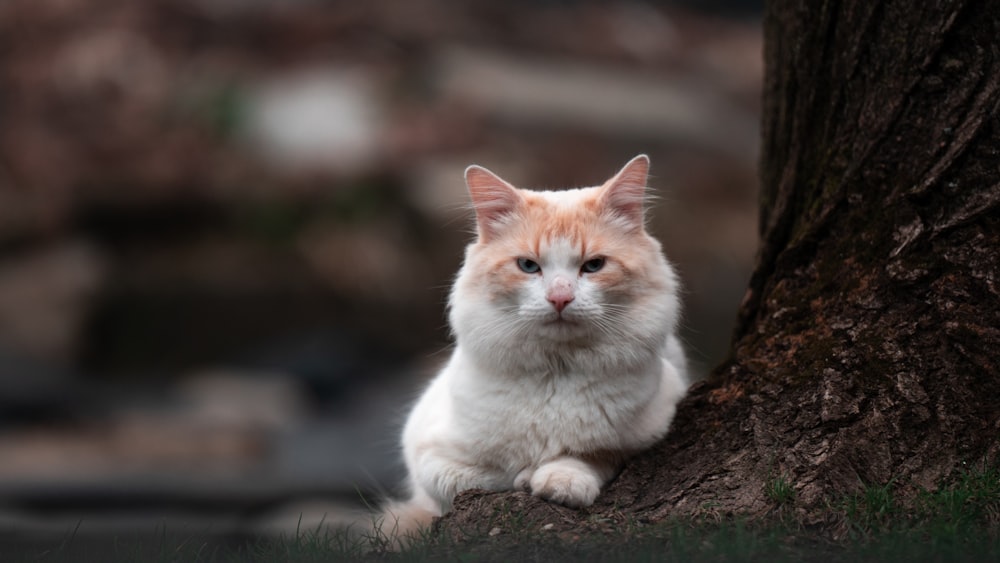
pixel 585 224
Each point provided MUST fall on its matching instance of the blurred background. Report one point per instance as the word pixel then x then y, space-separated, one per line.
pixel 228 227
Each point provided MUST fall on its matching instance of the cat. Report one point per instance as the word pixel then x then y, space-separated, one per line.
pixel 566 361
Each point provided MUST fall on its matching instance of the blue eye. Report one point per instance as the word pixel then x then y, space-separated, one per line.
pixel 592 265
pixel 528 266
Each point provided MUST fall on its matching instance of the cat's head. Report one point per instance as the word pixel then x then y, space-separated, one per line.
pixel 563 266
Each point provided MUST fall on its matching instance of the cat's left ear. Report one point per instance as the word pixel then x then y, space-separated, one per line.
pixel 493 199
pixel 624 195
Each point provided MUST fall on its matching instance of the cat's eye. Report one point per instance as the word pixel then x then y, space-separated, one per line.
pixel 592 265
pixel 528 266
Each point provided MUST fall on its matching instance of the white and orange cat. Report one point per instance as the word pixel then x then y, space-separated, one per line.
pixel 566 361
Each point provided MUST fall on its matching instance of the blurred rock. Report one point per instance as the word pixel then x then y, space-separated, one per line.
pixel 112 64
pixel 615 101
pixel 316 119
pixel 216 425
pixel 144 444
pixel 33 388
pixel 265 402
pixel 44 296
pixel 643 30
pixel 375 262
pixel 732 57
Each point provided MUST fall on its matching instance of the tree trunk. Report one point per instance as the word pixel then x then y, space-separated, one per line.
pixel 867 348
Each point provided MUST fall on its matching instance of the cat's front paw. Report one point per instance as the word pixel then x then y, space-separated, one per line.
pixel 523 480
pixel 570 484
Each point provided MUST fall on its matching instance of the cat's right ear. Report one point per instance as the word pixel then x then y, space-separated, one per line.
pixel 624 196
pixel 494 200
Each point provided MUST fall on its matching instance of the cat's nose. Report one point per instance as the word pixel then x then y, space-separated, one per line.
pixel 560 302
pixel 560 293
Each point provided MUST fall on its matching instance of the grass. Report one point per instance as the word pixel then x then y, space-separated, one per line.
pixel 971 502
pixel 779 490
pixel 958 521
pixel 872 509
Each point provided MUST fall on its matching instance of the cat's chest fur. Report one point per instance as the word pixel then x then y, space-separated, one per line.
pixel 548 409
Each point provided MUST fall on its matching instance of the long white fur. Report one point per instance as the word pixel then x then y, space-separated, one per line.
pixel 521 402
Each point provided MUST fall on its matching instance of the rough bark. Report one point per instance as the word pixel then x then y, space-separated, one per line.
pixel 868 345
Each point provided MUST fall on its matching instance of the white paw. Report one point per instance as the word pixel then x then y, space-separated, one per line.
pixel 565 483
pixel 523 480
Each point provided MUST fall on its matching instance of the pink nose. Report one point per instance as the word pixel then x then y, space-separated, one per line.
pixel 560 302
pixel 560 293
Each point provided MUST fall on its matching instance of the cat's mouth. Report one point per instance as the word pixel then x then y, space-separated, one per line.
pixel 562 329
pixel 560 320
